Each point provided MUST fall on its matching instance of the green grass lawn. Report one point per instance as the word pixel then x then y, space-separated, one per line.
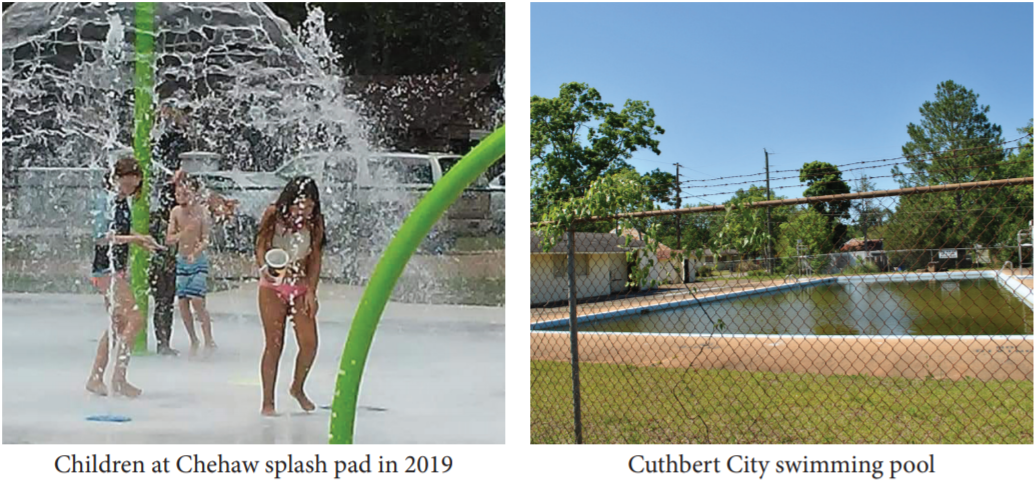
pixel 636 405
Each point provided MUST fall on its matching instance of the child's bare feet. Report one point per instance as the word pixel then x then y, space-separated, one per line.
pixel 125 389
pixel 303 401
pixel 165 350
pixel 96 386
pixel 268 410
pixel 194 348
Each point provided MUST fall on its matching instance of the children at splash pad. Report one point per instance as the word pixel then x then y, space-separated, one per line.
pixel 189 230
pixel 295 225
pixel 112 236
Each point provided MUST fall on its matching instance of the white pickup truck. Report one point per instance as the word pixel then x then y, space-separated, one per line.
pixel 350 187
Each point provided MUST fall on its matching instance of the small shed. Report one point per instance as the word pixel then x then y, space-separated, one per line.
pixel 600 267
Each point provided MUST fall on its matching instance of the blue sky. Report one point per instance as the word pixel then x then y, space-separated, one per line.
pixel 832 82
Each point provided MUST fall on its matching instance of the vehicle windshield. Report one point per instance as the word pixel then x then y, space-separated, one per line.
pixel 297 167
pixel 447 163
pixel 220 184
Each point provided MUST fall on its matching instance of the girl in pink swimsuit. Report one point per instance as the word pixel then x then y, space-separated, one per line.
pixel 293 224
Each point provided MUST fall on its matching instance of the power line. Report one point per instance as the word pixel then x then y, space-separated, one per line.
pixel 817 183
pixel 871 161
pixel 661 189
pixel 824 173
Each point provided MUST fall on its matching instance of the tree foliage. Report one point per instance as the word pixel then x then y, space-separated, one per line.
pixel 954 142
pixel 743 229
pixel 661 187
pixel 410 38
pixel 578 138
pixel 813 231
pixel 825 179
pixel 619 192
pixel 868 212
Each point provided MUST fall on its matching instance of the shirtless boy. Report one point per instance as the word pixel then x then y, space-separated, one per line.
pixel 188 228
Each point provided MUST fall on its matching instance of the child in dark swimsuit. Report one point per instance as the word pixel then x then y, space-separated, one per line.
pixel 112 235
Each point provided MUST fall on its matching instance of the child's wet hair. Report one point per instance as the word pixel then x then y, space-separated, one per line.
pixel 300 188
pixel 127 166
pixel 192 183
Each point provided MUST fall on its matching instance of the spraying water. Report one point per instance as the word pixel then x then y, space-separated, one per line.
pixel 254 95
pixel 250 89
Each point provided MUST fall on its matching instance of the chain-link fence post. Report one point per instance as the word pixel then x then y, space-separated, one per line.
pixel 574 329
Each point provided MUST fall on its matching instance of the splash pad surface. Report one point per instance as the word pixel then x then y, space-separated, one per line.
pixel 449 355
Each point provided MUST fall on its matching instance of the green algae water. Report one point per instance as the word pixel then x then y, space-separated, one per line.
pixel 949 307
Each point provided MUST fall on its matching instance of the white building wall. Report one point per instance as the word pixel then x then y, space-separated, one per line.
pixel 546 286
pixel 606 273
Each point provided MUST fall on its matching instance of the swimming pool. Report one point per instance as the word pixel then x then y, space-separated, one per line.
pixel 933 305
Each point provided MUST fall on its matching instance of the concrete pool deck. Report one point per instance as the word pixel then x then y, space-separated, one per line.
pixel 435 374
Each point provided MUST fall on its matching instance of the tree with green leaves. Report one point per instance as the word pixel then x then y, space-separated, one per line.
pixel 1019 163
pixel 954 142
pixel 825 179
pixel 743 230
pixel 1013 204
pixel 812 231
pixel 661 187
pixel 868 212
pixel 619 192
pixel 578 138
pixel 409 38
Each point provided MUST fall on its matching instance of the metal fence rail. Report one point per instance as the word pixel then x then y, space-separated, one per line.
pixel 883 317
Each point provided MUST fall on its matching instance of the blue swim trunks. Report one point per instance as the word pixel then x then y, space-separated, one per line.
pixel 191 278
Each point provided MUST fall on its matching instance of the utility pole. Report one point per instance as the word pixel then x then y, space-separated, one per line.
pixel 679 198
pixel 768 219
pixel 679 228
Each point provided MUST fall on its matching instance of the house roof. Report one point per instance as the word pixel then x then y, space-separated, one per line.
pixel 858 244
pixel 664 252
pixel 588 243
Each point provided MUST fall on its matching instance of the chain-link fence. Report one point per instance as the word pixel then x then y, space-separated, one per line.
pixel 900 316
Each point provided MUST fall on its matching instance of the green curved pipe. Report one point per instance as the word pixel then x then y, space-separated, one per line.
pixel 387 272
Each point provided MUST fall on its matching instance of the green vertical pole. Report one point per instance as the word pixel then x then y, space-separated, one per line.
pixel 143 115
pixel 386 274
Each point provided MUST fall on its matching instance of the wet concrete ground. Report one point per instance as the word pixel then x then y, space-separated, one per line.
pixel 435 374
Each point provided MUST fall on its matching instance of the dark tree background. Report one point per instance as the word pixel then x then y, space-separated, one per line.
pixel 410 38
pixel 446 59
